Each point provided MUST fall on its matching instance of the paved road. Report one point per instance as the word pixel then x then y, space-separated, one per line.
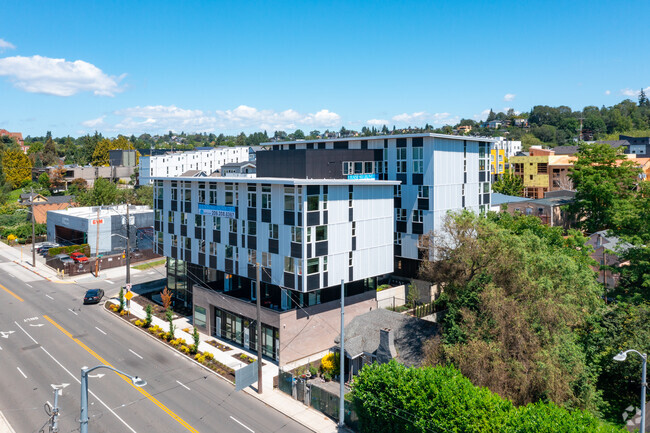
pixel 47 336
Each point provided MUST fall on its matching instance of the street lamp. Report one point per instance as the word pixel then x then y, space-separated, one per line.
pixel 83 417
pixel 622 357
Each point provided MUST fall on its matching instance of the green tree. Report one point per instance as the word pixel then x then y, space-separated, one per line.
pixel 44 180
pixel 101 155
pixel 643 99
pixel 169 316
pixel 104 192
pixel 605 183
pixel 509 184
pixel 197 341
pixel 149 315
pixel 17 168
pixel 491 116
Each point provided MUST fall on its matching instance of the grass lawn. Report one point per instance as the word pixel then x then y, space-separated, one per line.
pixel 14 195
pixel 150 265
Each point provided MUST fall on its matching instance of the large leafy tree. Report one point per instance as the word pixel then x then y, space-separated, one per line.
pixel 509 184
pixel 17 167
pixel 606 184
pixel 516 292
pixel 101 155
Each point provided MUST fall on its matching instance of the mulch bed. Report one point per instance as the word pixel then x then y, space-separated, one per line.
pixel 212 364
pixel 158 310
pixel 219 346
pixel 245 358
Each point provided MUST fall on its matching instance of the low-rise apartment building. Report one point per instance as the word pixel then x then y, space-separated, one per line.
pixel 175 164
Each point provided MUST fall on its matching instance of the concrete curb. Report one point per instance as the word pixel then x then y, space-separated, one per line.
pixel 5 427
pixel 248 391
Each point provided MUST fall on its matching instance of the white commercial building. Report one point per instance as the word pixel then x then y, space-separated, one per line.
pixel 174 164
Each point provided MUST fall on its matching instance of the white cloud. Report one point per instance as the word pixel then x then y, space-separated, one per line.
pixel 421 117
pixel 5 45
pixel 608 92
pixel 94 123
pixel 633 93
pixel 377 122
pixel 509 97
pixel 58 77
pixel 157 118
pixel 482 115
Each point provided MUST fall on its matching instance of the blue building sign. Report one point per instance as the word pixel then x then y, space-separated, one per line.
pixel 219 211
pixel 362 176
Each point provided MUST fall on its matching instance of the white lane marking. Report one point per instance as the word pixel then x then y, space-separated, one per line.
pixel 100 330
pixel 151 273
pixel 21 372
pixel 37 325
pixel 30 319
pixel 72 312
pixel 239 422
pixel 78 381
pixel 110 282
pixel 0 348
pixel 183 386
pixel 49 297
pixel 29 286
pixel 11 275
pixel 135 354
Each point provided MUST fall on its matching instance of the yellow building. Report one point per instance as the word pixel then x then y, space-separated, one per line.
pixel 497 161
pixel 533 171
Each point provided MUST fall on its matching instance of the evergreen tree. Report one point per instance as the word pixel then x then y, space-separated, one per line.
pixel 492 116
pixel 643 99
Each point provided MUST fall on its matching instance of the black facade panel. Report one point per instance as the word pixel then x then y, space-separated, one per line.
pixel 465 178
pixel 423 203
pixel 309 250
pixel 313 282
pixel 273 246
pixel 364 145
pixel 321 248
pixel 296 250
pixel 157 226
pixel 325 284
pixel 188 207
pixel 313 218
pixel 252 272
pixel 188 255
pixel 213 262
pixel 232 239
pixel 174 205
pixel 228 266
pixel 216 236
pixel 159 204
pixel 266 215
pixel 417 142
pixel 481 176
pixel 418 228
pixel 463 201
pixel 397 201
pixel 265 275
pixel 289 280
pixel 289 218
pixel 183 230
pixel 351 273
pixel 486 199
pixel 340 145
pixel 198 233
pixel 159 250
pixel 397 250
pixel 202 259
pixel 308 163
pixel 400 226
pixel 401 142
pixel 354 243
pixel 174 252
pixel 252 242
pixel 418 179
pixel 252 214
pixel 299 218
pixel 351 214
pixel 401 177
pixel 325 217
pixel 313 189
pixel 406 267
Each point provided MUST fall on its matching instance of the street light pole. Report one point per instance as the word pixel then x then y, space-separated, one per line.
pixel 83 417
pixel 259 330
pixel 128 247
pixel 622 357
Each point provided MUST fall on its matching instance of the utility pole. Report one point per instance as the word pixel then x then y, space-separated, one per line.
pixel 342 360
pixel 31 202
pixel 128 246
pixel 97 247
pixel 259 330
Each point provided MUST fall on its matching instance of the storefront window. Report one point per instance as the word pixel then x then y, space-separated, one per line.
pixel 199 316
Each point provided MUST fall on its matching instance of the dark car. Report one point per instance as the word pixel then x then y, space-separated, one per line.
pixel 93 296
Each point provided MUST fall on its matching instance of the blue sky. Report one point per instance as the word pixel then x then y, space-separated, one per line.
pixel 74 67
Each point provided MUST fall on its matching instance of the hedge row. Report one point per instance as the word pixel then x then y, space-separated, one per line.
pixel 83 248
pixel 392 398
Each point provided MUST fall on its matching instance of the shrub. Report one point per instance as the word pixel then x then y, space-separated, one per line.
pixel 312 370
pixel 383 287
pixel 121 298
pixel 174 343
pixel 169 315
pixel 185 349
pixel 113 307
pixel 195 336
pixel 149 310
pixel 139 323
pixel 123 313
pixel 331 363
pixel 155 329
pixel 209 356
pixel 186 330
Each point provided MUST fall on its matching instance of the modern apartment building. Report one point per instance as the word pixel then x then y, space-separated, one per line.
pixel 308 236
pixel 436 173
pixel 176 163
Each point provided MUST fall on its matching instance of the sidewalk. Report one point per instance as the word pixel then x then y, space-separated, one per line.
pixel 5 427
pixel 308 417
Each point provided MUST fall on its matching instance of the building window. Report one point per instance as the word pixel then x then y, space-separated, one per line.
pixel 400 214
pixel 199 316
pixel 252 257
pixel 481 164
pixel 354 228
pixel 252 199
pixel 252 228
pixel 289 199
pixel 324 201
pixel 201 195
pixel 325 264
pixel 397 238
pixel 233 225
pixel 401 160
pixel 183 218
pixel 213 194
pixel 486 187
pixel 312 266
pixel 308 234
pixel 350 258
pixel 174 241
pixel 481 150
pixel 159 191
pixel 160 237
pixel 266 260
pixel 229 195
pixel 397 190
pixel 350 195
pixel 423 191
pixel 273 231
pixel 418 159
pixel 188 243
pixel 213 248
pixel 288 265
pixel 158 215
pixel 266 197
pixel 418 216
pixel 216 221
pixel 312 202
pixel 174 194
pixel 198 220
pixel 201 246
pixel 229 252
pixel 296 234
pixel 321 233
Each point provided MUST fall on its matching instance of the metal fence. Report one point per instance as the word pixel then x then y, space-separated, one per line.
pixel 324 401
pixel 105 262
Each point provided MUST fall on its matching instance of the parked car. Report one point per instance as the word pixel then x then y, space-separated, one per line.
pixel 79 257
pixel 93 296
pixel 44 244
pixel 43 249
pixel 64 258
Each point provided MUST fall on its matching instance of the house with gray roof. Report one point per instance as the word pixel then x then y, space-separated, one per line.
pixel 381 335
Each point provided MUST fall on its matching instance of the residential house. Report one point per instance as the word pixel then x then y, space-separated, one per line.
pixel 18 136
pixel 550 210
pixel 606 252
pixel 245 169
pixel 43 204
